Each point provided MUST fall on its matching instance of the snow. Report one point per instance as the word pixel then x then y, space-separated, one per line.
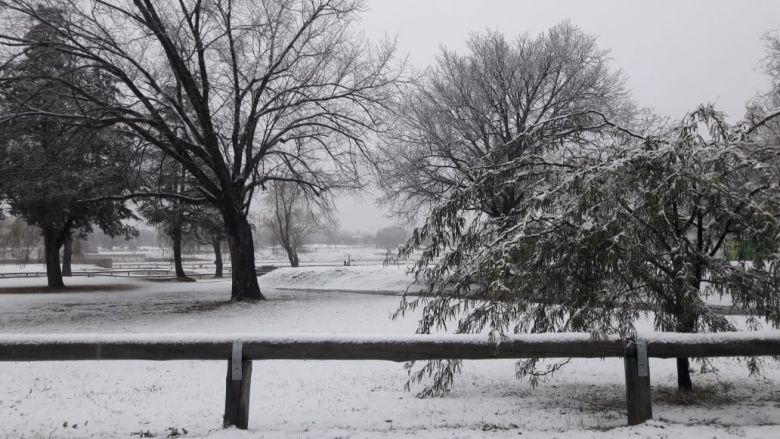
pixel 95 399
pixel 387 279
pixel 188 338
pixel 716 337
pixel 324 254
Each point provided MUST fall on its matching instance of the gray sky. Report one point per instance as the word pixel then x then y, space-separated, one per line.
pixel 675 54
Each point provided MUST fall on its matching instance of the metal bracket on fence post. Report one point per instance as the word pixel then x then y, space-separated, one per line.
pixel 235 364
pixel 642 365
pixel 238 382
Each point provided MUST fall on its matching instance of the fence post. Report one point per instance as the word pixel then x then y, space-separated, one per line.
pixel 637 383
pixel 239 379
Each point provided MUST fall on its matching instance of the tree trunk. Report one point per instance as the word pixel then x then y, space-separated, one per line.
pixel 292 256
pixel 176 233
pixel 684 383
pixel 242 255
pixel 51 244
pixel 217 243
pixel 67 254
pixel 686 324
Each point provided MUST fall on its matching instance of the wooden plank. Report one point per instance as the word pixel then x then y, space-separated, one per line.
pixel 389 347
pixel 422 349
pixel 320 347
pixel 114 351
pixel 700 347
pixel 637 370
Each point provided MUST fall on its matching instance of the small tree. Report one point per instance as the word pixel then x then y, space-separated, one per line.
pixel 294 217
pixel 605 236
pixel 208 229
pixel 173 216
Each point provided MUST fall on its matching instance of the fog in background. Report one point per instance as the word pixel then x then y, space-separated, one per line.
pixel 675 54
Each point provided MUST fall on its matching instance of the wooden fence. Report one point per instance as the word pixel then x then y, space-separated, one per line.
pixel 240 350
pixel 147 273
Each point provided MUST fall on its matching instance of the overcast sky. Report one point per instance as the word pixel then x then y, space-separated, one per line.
pixel 675 54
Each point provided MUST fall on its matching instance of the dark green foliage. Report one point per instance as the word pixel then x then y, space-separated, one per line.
pixel 53 162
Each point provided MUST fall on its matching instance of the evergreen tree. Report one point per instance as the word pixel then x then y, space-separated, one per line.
pixel 52 163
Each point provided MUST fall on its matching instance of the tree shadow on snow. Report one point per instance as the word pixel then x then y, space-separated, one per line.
pixel 39 289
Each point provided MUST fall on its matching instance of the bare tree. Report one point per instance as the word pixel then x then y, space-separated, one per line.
pixel 172 216
pixel 256 88
pixel 19 239
pixel 207 229
pixel 467 105
pixel 294 217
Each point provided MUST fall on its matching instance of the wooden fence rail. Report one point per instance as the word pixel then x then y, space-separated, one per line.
pixel 239 350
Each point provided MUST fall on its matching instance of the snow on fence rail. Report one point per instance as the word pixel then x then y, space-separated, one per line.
pixel 241 349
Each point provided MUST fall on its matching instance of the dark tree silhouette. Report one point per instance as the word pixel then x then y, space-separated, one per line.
pixel 50 162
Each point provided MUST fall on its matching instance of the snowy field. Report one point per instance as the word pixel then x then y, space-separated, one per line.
pixel 327 398
pixel 323 254
pixel 309 254
pixel 381 279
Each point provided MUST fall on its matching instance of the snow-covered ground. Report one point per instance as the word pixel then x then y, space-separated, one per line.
pixel 388 279
pixel 327 398
pixel 322 254
pixel 314 255
pixel 41 268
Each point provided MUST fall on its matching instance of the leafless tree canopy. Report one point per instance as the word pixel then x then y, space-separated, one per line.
pixel 467 105
pixel 269 83
pixel 293 216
